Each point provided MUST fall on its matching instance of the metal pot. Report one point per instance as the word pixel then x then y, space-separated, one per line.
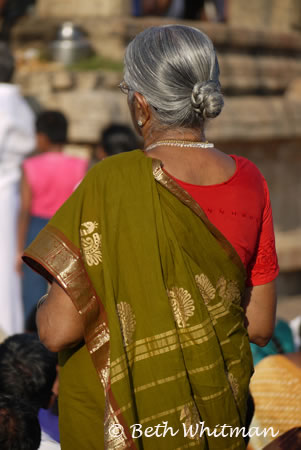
pixel 70 44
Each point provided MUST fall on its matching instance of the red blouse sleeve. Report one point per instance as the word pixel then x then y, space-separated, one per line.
pixel 264 267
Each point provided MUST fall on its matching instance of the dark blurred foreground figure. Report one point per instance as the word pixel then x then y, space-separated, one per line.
pixel 162 266
pixel 48 179
pixel 19 425
pixel 28 374
pixel 27 370
pixel 290 440
pixel 16 142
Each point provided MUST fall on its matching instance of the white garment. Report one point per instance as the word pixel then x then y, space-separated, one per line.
pixel 47 443
pixel 17 139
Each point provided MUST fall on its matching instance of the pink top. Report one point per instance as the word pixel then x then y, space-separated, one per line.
pixel 241 209
pixel 52 177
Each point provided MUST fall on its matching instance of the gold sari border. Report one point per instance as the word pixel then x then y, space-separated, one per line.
pixel 184 197
pixel 52 255
pixel 55 257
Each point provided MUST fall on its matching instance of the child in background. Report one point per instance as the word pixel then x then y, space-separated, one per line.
pixel 48 179
pixel 114 139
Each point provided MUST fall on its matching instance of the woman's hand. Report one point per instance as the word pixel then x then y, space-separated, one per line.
pixel 260 312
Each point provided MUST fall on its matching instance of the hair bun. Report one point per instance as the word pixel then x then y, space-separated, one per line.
pixel 207 99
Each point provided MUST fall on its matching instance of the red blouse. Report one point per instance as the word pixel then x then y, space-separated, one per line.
pixel 241 209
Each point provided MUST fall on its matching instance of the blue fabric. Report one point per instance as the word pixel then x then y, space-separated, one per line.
pixel 137 8
pixel 33 285
pixel 49 423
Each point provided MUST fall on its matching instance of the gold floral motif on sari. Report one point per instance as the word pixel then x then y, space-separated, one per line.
pixel 205 286
pixel 128 321
pixel 91 243
pixel 182 305
pixel 234 384
pixel 228 290
pixel 191 418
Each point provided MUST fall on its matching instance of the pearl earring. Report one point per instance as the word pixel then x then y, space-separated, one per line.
pixel 140 123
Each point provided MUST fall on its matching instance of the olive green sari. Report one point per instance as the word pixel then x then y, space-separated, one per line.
pixel 159 290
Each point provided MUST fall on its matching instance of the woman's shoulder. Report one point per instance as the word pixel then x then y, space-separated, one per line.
pixel 37 158
pixel 246 164
pixel 117 168
pixel 248 172
pixel 34 160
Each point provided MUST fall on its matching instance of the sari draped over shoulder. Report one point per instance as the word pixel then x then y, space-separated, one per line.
pixel 159 290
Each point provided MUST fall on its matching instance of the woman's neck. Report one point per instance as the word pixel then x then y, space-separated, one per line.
pixel 151 137
pixel 54 148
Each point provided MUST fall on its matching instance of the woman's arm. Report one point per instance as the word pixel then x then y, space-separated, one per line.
pixel 59 323
pixel 23 219
pixel 260 312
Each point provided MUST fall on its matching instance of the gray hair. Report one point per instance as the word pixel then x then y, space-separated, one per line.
pixel 7 63
pixel 176 69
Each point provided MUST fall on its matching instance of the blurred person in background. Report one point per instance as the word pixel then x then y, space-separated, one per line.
pixel 221 10
pixel 185 9
pixel 28 373
pixel 48 179
pixel 162 264
pixel 151 7
pixel 194 10
pixel 170 8
pixel 114 139
pixel 19 425
pixel 10 12
pixel 17 140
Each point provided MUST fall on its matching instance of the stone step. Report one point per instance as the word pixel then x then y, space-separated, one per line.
pixel 252 61
pixel 288 244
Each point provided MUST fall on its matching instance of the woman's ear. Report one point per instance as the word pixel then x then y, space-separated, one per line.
pixel 142 112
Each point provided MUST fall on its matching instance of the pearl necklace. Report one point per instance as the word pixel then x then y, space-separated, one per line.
pixel 182 144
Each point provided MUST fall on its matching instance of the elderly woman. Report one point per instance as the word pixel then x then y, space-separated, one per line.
pixel 163 265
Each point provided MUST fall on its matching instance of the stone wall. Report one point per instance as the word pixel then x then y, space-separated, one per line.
pixel 91 8
pixel 278 14
pixel 247 119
